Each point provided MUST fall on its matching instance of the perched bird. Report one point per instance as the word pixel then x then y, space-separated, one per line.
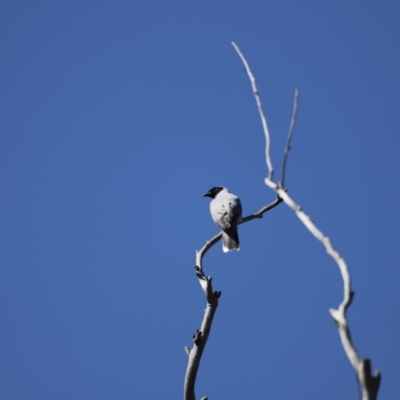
pixel 226 212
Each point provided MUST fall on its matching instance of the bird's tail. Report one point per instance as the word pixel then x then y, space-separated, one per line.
pixel 230 239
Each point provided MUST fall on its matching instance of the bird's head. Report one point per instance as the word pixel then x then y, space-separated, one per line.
pixel 214 191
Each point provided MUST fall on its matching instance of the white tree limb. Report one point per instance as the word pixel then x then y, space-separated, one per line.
pixel 260 110
pixel 369 383
pixel 362 367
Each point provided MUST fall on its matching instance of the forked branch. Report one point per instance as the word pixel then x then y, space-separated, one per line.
pixel 369 383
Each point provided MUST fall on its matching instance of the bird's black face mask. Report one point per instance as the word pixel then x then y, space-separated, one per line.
pixel 213 192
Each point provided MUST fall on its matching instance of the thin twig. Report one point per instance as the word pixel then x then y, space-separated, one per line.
pixel 289 137
pixel 202 252
pixel 260 110
pixel 260 213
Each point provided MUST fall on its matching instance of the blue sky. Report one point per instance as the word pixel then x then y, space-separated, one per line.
pixel 116 117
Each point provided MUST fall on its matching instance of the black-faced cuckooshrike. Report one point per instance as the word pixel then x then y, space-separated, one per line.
pixel 226 212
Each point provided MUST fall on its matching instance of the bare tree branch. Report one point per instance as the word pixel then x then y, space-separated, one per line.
pixel 289 137
pixel 201 336
pixel 260 213
pixel 260 110
pixel 369 383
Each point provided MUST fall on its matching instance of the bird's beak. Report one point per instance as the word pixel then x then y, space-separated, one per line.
pixel 208 194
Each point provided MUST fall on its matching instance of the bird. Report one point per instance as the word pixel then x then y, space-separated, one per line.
pixel 226 212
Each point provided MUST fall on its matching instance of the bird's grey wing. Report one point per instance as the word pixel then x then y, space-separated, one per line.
pixel 230 237
pixel 226 211
pixel 219 213
pixel 234 210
